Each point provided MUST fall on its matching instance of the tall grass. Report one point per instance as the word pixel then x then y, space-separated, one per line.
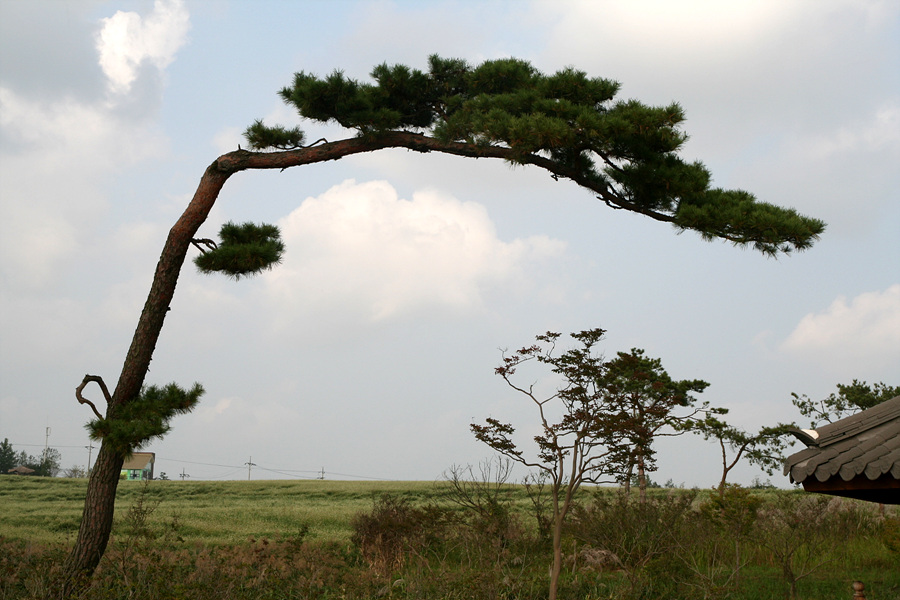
pixel 332 539
pixel 48 510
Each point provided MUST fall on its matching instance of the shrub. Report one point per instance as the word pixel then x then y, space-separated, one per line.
pixel 395 530
pixel 641 538
pixel 799 533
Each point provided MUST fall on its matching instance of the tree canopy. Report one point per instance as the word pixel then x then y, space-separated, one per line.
pixel 568 123
pixel 850 398
pixel 648 404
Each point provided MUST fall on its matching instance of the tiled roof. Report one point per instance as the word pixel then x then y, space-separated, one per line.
pixel 866 444
pixel 21 470
pixel 139 460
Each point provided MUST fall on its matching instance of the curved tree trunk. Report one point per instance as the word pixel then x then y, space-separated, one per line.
pixel 99 504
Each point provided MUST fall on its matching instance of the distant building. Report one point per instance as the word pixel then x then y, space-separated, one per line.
pixel 857 456
pixel 20 470
pixel 139 466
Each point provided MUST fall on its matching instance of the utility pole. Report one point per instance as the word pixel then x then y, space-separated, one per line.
pixel 46 450
pixel 183 474
pixel 250 464
pixel 322 473
pixel 89 447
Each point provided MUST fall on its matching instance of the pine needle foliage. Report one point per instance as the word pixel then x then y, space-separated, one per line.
pixel 135 423
pixel 566 122
pixel 245 249
pixel 279 138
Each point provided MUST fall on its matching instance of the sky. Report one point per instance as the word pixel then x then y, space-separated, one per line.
pixel 369 352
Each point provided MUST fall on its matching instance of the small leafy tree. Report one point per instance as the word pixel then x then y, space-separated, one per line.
pixel 50 462
pixel 611 413
pixel 650 404
pixel 849 399
pixel 75 472
pixel 574 449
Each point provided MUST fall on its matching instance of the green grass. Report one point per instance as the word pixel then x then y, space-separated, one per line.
pixel 248 535
pixel 47 511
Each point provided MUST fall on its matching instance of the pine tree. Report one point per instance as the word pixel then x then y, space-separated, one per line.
pixel 569 124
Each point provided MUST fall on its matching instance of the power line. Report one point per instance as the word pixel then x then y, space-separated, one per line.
pixel 286 473
pixel 42 445
pixel 190 462
pixel 359 476
pixel 295 473
pixel 226 476
pixel 289 472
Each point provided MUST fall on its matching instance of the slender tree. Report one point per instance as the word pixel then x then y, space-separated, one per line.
pixel 579 446
pixel 765 448
pixel 623 152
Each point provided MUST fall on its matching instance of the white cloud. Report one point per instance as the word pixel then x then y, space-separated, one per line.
pixel 681 29
pixel 880 131
pixel 126 40
pixel 360 247
pixel 57 154
pixel 864 331
pixel 53 168
pixel 52 182
pixel 209 412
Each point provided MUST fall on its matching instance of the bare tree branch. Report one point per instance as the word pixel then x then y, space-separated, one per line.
pixel 199 243
pixel 82 400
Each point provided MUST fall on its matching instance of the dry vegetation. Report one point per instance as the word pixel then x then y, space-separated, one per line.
pixel 326 539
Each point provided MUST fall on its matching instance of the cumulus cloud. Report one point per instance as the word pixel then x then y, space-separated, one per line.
pixel 867 329
pixel 56 154
pixel 361 247
pixel 126 40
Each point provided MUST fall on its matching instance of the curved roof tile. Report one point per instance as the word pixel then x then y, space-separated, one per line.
pixel 865 444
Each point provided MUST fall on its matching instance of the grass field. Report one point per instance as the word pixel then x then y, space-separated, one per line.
pixel 47 511
pixel 294 539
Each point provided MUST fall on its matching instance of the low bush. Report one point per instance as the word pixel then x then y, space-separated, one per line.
pixel 639 539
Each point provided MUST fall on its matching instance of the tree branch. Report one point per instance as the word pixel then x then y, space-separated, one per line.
pixel 199 243
pixel 240 160
pixel 82 400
